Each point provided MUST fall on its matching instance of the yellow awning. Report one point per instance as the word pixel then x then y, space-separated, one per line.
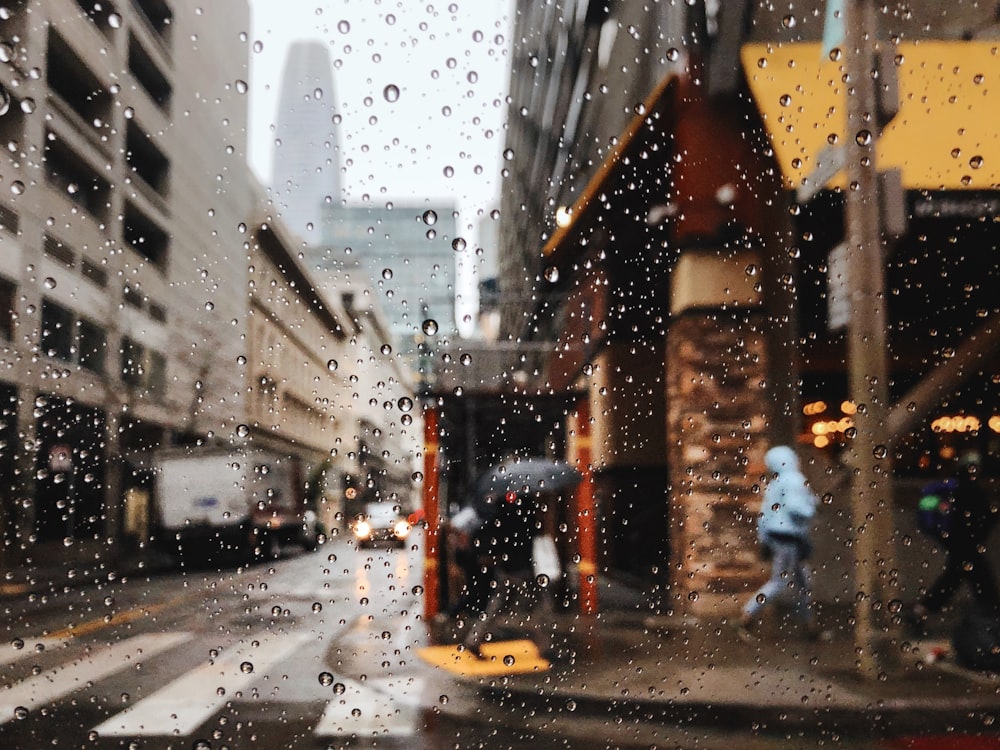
pixel 946 135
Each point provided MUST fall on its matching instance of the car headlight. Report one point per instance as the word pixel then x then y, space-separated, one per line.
pixel 362 529
pixel 401 529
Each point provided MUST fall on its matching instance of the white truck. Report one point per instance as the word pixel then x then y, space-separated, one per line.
pixel 213 501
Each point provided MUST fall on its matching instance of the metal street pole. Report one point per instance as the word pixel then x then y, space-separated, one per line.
pixel 871 462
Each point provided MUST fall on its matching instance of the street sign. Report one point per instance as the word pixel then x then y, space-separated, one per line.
pixel 829 161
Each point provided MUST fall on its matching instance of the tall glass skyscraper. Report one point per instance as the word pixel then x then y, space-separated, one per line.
pixel 306 165
pixel 408 253
pixel 407 250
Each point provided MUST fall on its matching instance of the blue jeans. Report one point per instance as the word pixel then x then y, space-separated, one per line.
pixel 790 580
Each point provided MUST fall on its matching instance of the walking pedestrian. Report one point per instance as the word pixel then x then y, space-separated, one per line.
pixel 507 541
pixel 470 562
pixel 784 529
pixel 963 519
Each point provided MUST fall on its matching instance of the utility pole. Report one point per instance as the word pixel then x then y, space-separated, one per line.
pixel 870 455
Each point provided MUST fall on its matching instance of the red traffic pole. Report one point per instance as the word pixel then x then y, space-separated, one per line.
pixel 430 495
pixel 586 520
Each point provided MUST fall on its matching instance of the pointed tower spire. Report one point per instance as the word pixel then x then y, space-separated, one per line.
pixel 306 151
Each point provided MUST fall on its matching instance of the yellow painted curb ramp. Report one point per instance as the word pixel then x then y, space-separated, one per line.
pixel 499 658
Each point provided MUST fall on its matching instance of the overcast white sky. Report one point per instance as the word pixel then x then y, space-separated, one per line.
pixel 442 137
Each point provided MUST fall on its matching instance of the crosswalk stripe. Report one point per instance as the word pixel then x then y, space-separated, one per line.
pixel 365 711
pixel 96 665
pixel 186 703
pixel 29 648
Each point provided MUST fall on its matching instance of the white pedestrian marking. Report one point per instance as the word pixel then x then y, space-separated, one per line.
pixel 102 661
pixel 31 647
pixel 186 703
pixel 364 710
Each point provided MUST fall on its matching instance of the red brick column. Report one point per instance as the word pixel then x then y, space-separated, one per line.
pixel 717 409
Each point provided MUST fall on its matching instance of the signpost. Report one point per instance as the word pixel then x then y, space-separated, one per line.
pixel 870 455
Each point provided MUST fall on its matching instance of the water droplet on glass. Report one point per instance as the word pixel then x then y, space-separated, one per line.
pixel 331 365
pixel 28 105
pixel 49 283
pixel 465 359
pixel 20 713
pixel 430 327
pixel 17 187
pixel 552 274
pixel 339 688
pixel 391 93
pixel 430 217
pixel 325 679
pixel 863 138
pixel 129 113
pixel 246 667
pixel 789 22
pixel 387 273
pixel 344 26
pixel 405 404
pixel 976 162
pixel 458 244
pixel 242 430
pixel 4 98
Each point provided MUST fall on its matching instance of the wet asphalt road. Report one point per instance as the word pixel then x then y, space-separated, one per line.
pixel 314 650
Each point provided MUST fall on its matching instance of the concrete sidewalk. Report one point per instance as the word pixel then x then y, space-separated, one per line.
pixel 623 663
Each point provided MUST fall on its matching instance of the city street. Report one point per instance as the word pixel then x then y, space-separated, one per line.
pixel 311 647
pixel 314 650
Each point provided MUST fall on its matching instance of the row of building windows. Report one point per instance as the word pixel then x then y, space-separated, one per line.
pixel 80 341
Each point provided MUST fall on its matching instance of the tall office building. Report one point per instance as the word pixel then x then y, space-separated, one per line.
pixel 408 254
pixel 305 170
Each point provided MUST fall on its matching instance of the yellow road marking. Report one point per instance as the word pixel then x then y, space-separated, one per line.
pixel 129 615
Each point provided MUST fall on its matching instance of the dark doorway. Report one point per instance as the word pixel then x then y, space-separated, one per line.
pixel 70 467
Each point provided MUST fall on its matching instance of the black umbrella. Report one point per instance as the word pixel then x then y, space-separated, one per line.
pixel 522 476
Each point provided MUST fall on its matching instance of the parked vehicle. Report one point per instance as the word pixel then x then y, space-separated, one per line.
pixel 209 501
pixel 381 522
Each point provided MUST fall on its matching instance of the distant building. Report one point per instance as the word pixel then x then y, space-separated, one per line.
pixel 306 165
pixel 408 254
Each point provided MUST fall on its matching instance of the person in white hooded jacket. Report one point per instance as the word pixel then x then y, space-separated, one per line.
pixel 784 530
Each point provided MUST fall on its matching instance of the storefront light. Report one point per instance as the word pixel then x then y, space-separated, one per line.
pixel 958 423
pixel 994 423
pixel 814 407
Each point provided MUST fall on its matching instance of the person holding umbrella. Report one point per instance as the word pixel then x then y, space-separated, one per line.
pixel 509 497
